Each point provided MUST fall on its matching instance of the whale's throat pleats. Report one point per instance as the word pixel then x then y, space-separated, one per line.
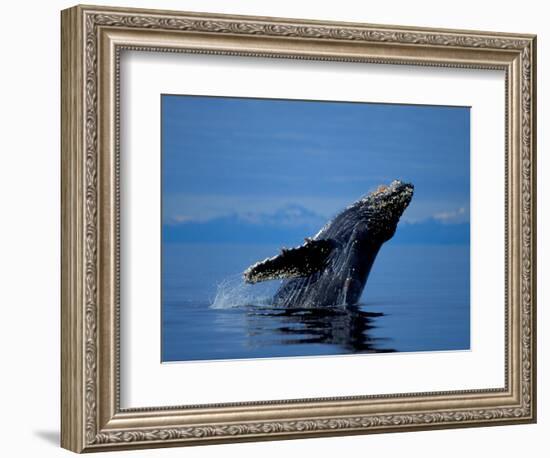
pixel 291 263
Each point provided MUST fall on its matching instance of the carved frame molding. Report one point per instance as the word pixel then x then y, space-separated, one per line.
pixel 92 39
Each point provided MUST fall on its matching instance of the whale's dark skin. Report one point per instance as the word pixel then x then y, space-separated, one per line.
pixel 331 268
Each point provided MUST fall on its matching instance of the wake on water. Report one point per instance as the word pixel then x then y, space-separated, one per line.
pixel 233 292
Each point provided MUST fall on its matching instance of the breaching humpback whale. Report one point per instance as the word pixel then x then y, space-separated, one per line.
pixel 331 268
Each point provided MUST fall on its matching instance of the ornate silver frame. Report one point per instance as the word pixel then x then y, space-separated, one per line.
pixel 92 38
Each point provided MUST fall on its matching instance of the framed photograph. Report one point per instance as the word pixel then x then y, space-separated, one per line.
pixel 279 228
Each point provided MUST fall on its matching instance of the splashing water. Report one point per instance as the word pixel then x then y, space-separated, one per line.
pixel 233 292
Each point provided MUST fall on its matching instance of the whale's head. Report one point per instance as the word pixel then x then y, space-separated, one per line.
pixel 383 208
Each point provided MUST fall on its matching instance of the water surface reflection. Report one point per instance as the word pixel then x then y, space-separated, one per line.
pixel 347 328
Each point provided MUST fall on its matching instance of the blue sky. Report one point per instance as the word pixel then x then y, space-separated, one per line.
pixel 253 159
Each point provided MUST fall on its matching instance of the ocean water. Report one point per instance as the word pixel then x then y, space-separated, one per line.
pixel 417 298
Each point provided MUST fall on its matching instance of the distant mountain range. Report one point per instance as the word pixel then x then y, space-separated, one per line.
pixel 289 226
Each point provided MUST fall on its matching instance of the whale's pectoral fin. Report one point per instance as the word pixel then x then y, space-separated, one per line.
pixel 295 262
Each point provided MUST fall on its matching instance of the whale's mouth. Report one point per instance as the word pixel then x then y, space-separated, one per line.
pixel 400 187
pixel 406 191
pixel 398 194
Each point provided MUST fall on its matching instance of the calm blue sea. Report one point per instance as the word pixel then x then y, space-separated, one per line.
pixel 417 298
